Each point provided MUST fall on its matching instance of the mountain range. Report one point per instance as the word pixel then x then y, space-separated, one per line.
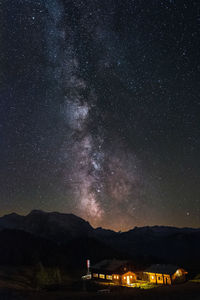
pixel 68 240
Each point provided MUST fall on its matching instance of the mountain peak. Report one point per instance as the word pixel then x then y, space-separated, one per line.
pixel 37 212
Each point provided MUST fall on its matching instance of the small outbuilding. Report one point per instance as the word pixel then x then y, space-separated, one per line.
pixel 164 274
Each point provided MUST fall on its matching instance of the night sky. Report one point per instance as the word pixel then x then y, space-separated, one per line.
pixel 100 110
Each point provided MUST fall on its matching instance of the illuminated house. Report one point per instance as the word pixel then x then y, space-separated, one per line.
pixel 164 274
pixel 116 271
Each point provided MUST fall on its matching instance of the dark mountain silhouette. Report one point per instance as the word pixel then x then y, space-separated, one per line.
pixel 54 239
pixel 54 226
pixel 65 239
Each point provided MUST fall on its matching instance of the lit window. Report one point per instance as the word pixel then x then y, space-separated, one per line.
pixel 131 277
pixel 102 276
pixel 124 277
pixel 95 275
pixel 152 277
pixel 109 277
pixel 178 272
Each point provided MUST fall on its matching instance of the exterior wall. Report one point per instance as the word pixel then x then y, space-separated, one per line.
pixel 167 279
pixel 128 278
pixel 179 276
pixel 116 278
pixel 102 276
pixel 139 275
pixel 159 278
pixel 95 275
pixel 105 276
pixel 151 277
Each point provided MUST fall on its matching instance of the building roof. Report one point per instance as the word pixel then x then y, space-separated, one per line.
pixel 109 264
pixel 162 269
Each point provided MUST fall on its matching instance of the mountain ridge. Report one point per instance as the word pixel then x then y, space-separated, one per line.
pixel 79 239
pixel 35 212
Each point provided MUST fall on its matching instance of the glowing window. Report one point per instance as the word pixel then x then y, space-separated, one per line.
pixel 109 277
pixel 152 277
pixel 102 276
pixel 95 275
pixel 131 277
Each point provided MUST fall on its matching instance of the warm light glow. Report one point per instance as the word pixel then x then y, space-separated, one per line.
pixel 102 276
pixel 95 275
pixel 109 277
pixel 178 272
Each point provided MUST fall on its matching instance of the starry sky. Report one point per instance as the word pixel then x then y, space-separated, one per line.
pixel 100 110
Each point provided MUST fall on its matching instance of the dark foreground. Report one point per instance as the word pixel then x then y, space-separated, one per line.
pixel 187 291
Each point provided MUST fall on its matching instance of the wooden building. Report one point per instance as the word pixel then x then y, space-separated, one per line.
pixel 116 271
pixel 164 274
pixel 122 272
pixel 128 278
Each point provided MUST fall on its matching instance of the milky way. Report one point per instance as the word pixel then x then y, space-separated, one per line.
pixel 100 110
pixel 103 178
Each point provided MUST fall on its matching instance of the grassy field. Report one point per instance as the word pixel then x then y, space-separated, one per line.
pixel 189 291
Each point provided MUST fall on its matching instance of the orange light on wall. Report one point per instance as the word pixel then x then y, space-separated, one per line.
pixel 178 273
